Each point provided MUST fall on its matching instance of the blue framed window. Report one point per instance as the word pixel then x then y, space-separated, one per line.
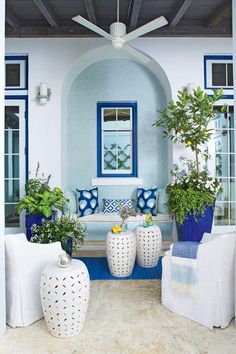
pixel 218 72
pixel 16 72
pixel 117 139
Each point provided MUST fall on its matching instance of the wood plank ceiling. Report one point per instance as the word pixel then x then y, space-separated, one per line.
pixel 52 18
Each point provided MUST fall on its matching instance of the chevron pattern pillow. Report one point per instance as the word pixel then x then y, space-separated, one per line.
pixel 113 205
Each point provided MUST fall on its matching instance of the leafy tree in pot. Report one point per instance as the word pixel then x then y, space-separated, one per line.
pixel 187 122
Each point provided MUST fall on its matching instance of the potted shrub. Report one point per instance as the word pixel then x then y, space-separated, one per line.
pixel 40 202
pixel 191 195
pixel 69 231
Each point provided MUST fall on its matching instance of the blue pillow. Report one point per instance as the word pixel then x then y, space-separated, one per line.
pixel 87 201
pixel 113 205
pixel 147 200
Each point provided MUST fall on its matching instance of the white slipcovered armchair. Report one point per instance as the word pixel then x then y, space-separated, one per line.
pixel 24 264
pixel 213 303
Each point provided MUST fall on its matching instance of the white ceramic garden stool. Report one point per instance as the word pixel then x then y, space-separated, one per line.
pixel 121 253
pixel 65 296
pixel 149 243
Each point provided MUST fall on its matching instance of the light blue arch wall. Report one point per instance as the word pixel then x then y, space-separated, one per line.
pixel 114 79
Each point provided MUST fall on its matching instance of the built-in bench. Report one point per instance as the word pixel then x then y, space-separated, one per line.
pixel 114 218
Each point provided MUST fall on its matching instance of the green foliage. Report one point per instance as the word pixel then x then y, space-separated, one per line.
pixel 187 122
pixel 191 191
pixel 40 198
pixel 62 229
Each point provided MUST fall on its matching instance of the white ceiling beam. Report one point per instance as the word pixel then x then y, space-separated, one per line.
pixel 179 12
pixel 47 12
pixel 134 11
pixel 90 11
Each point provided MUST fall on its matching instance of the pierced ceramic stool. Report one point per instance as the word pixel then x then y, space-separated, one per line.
pixel 149 243
pixel 121 253
pixel 65 297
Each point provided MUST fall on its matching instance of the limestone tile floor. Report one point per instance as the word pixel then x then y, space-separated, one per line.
pixel 125 317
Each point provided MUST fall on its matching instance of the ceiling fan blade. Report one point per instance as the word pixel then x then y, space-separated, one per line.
pixel 150 26
pixel 82 21
pixel 137 53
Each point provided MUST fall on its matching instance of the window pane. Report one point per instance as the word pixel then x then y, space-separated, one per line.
pixel 124 151
pixel 231 140
pixel 232 189
pixel 12 191
pixel 117 150
pixel 110 151
pixel 221 121
pixel 13 75
pixel 232 213
pixel 219 74
pixel 230 74
pixel 11 166
pixel 231 117
pixel 224 196
pixel 11 117
pixel 11 218
pixel 221 214
pixel 232 168
pixel 221 165
pixel 109 119
pixel 221 141
pixel 124 122
pixel 11 142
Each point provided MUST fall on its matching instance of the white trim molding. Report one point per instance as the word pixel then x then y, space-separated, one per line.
pixel 113 181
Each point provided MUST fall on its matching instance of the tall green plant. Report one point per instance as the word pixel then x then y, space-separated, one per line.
pixel 187 122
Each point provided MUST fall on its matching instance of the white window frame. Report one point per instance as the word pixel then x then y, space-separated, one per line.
pixel 22 158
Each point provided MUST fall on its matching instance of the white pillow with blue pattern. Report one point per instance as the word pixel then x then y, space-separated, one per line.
pixel 87 201
pixel 113 205
pixel 147 201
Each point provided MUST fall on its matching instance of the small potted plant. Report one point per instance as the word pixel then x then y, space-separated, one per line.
pixel 67 230
pixel 191 195
pixel 40 202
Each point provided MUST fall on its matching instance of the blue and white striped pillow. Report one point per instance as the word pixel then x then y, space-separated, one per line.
pixel 113 205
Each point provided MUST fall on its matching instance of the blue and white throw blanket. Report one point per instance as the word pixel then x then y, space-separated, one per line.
pixel 184 264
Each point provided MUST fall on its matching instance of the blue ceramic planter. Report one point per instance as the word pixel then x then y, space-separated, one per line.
pixel 67 246
pixel 35 219
pixel 193 230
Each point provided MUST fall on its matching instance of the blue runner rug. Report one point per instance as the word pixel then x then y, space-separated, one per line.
pixel 98 270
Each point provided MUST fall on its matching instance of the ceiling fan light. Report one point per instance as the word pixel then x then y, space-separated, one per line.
pixel 118 29
pixel 117 43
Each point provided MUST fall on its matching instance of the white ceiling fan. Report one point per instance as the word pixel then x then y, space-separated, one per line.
pixel 118 35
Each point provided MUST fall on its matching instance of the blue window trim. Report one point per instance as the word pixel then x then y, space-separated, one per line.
pixel 216 57
pixel 132 105
pixel 25 98
pixel 17 58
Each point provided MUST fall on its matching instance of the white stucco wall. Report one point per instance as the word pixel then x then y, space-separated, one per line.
pixel 51 59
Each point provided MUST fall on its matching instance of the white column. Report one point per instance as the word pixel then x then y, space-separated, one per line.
pixel 2 218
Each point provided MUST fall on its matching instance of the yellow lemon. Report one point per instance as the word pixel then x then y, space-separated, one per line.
pixel 116 228
pixel 189 142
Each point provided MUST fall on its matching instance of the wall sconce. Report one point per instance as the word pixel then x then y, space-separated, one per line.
pixel 190 87
pixel 44 93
